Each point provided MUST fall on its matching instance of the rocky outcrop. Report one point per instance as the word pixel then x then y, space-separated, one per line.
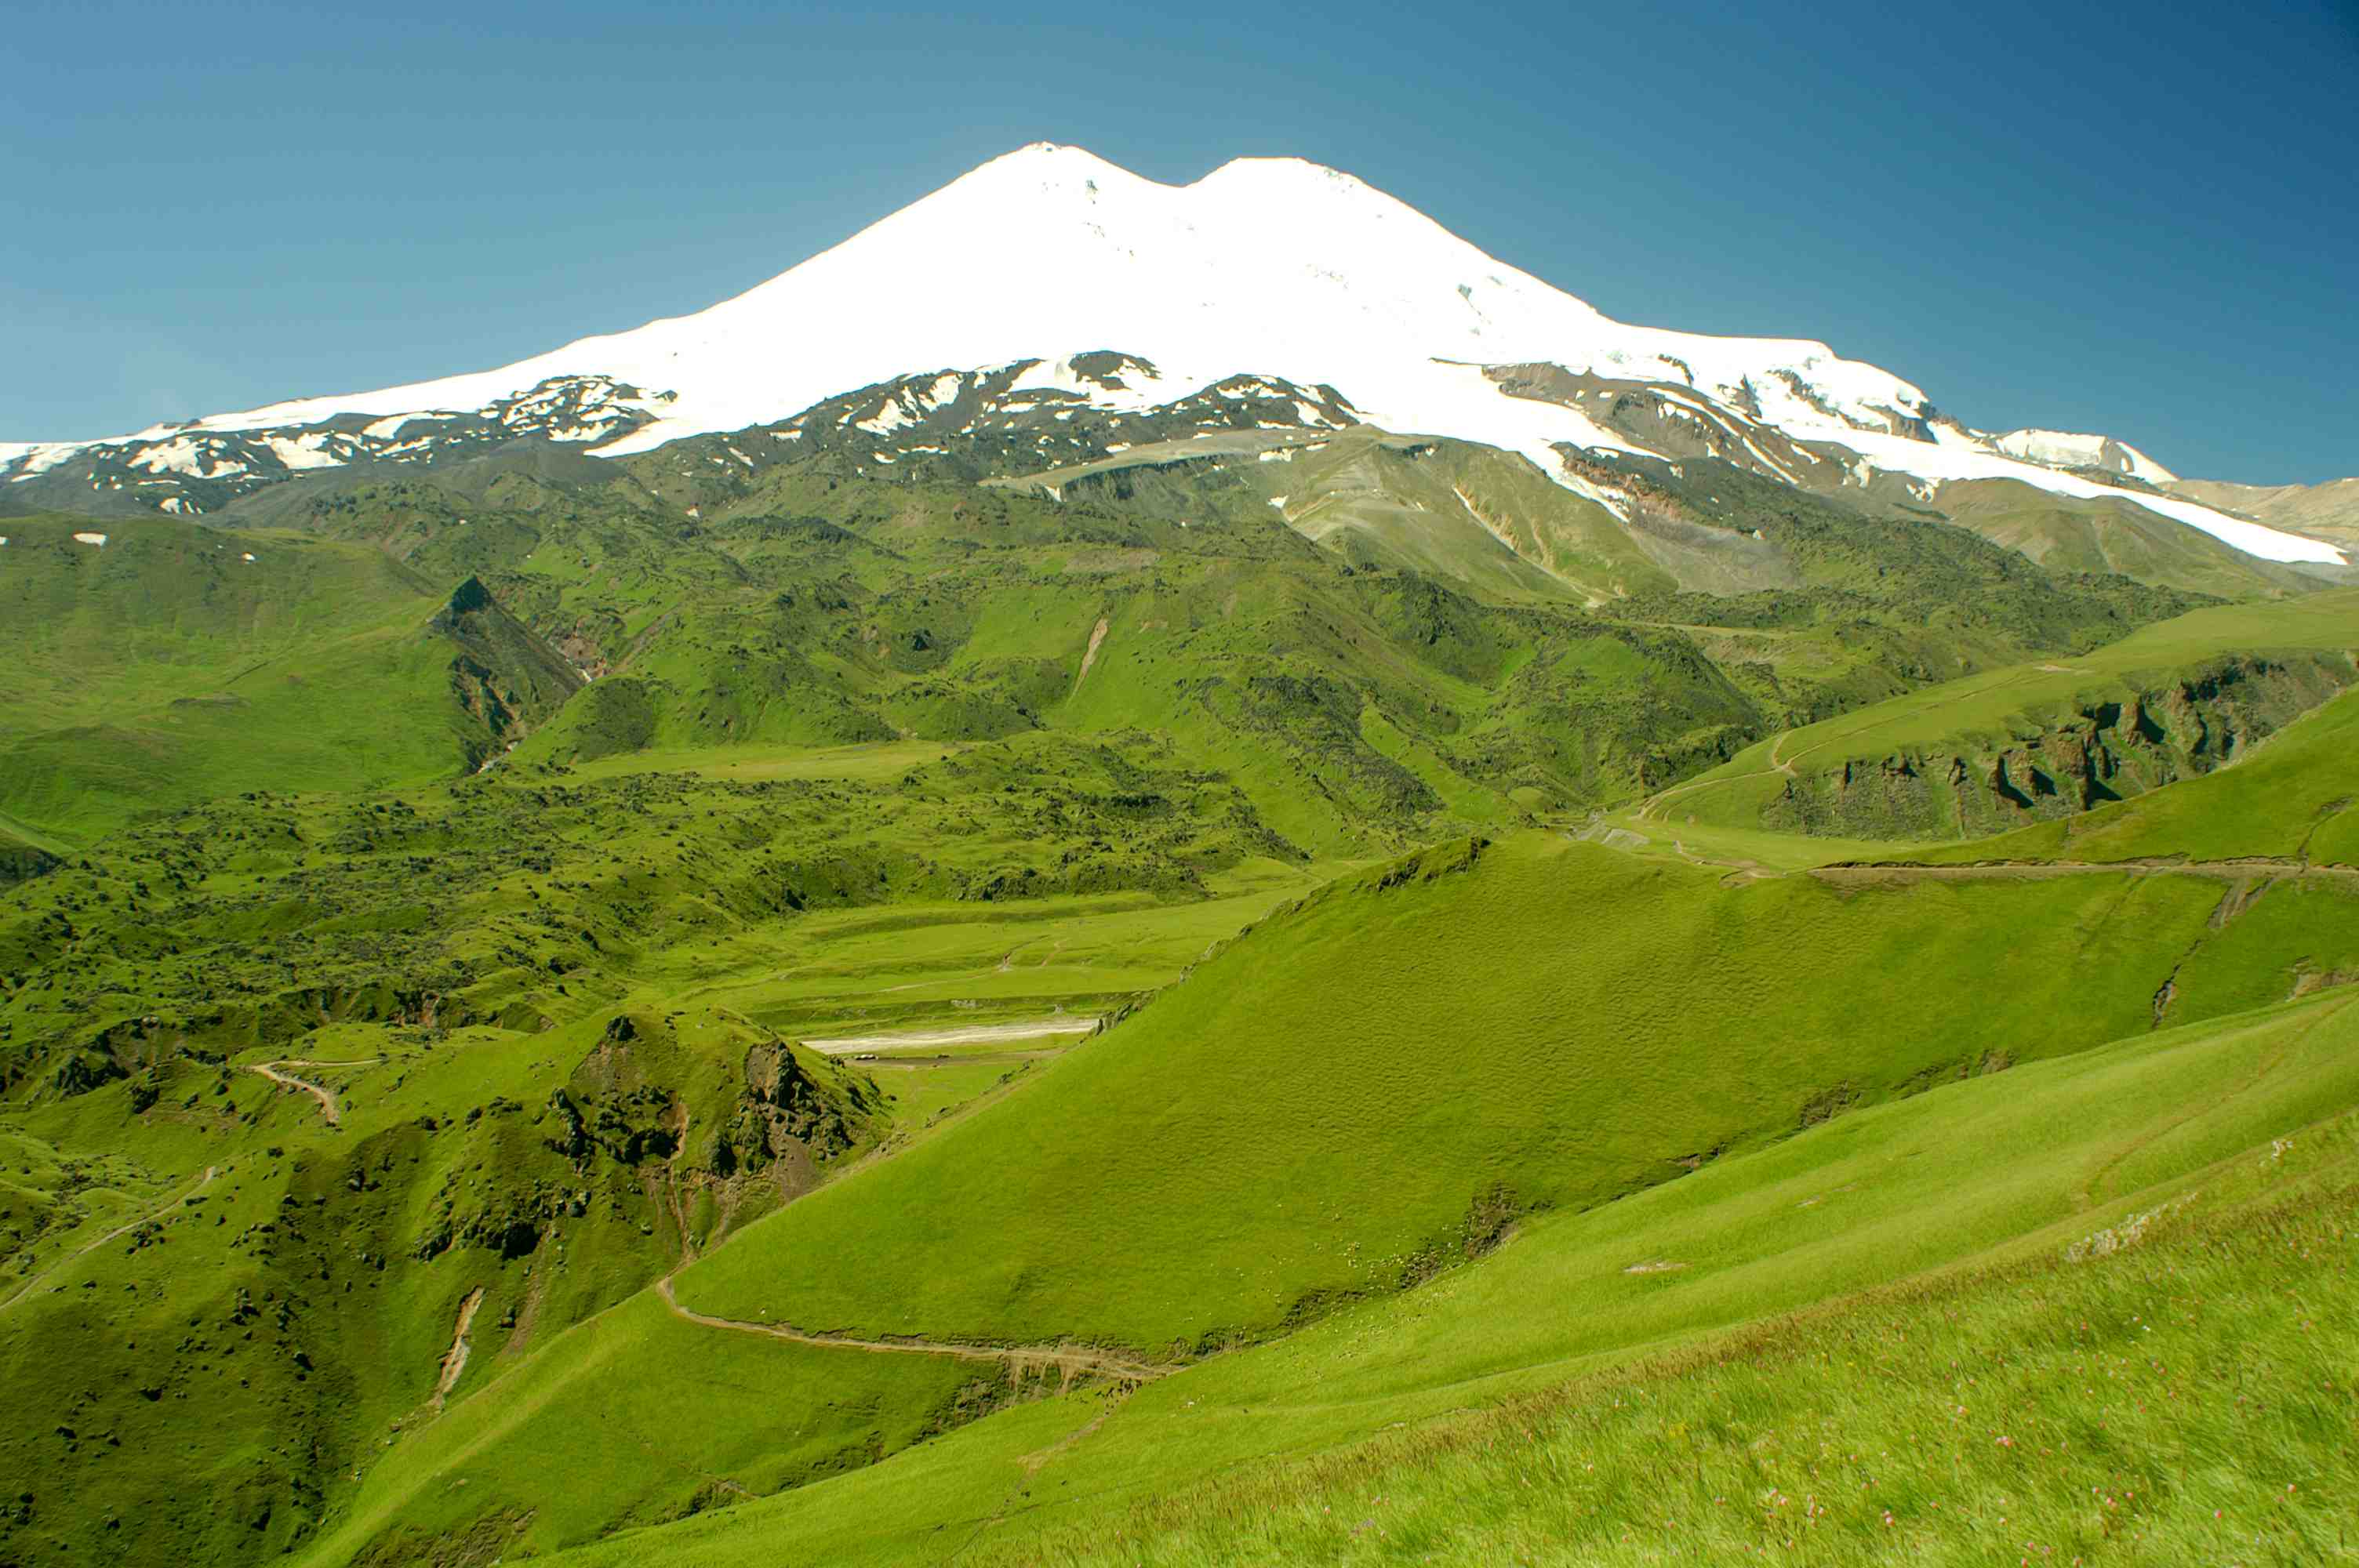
pixel 786 1111
pixel 2102 750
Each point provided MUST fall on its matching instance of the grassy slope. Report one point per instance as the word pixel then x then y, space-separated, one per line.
pixel 280 1320
pixel 167 610
pixel 2178 1402
pixel 293 724
pixel 1997 705
pixel 2091 1141
pixel 1346 1088
pixel 165 668
pixel 530 909
pixel 1549 904
pixel 2106 535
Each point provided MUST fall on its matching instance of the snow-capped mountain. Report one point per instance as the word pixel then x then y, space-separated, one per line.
pixel 1037 266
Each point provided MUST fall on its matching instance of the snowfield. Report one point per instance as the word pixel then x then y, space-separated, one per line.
pixel 1273 266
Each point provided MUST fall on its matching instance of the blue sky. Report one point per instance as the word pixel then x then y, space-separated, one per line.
pixel 2137 220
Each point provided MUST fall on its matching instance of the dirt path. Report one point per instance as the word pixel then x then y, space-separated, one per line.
pixel 967 1035
pixel 1652 807
pixel 2043 870
pixel 320 1092
pixel 454 1360
pixel 126 1228
pixel 1070 1360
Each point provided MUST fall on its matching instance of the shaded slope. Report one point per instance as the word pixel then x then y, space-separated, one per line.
pixel 506 679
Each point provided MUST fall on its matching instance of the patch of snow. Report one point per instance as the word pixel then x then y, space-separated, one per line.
pixel 2071 450
pixel 98 539
pixel 181 455
pixel 386 429
pixel 1780 469
pixel 303 452
pixel 37 458
pixel 891 418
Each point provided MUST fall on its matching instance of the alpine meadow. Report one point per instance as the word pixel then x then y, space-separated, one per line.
pixel 1173 874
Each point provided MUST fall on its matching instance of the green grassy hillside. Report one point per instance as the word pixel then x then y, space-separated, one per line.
pixel 554 1018
pixel 271 1270
pixel 2113 536
pixel 1367 1086
pixel 1671 1373
pixel 2047 737
pixel 177 664
pixel 166 609
pixel 821 1014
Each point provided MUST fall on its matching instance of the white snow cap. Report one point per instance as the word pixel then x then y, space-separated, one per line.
pixel 1267 265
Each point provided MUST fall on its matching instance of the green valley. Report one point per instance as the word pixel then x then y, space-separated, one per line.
pixel 1207 983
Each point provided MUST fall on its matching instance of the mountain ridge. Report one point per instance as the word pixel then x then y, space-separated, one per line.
pixel 1046 257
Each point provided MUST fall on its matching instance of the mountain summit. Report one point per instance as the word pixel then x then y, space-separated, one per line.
pixel 1275 268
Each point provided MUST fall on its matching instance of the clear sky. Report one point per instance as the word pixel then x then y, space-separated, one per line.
pixel 2141 219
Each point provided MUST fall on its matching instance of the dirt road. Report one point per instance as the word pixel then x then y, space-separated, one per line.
pixel 1072 1360
pixel 320 1092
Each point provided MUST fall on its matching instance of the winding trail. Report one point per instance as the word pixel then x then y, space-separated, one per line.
pixel 1652 807
pixel 126 1228
pixel 320 1092
pixel 1072 1360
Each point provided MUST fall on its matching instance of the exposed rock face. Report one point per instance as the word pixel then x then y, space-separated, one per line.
pixel 785 1112
pixel 2106 751
pixel 505 678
